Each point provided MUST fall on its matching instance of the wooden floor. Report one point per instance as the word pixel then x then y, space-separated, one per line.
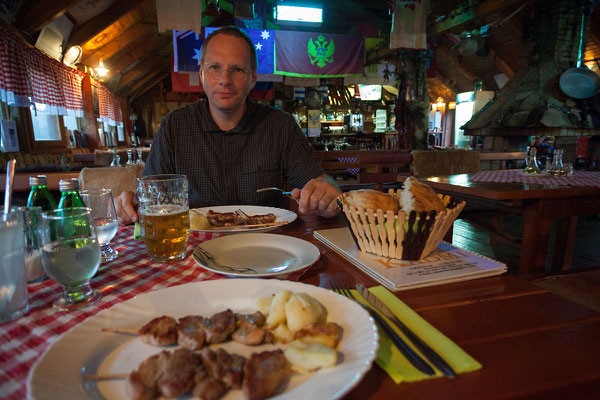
pixel 579 284
pixel 586 251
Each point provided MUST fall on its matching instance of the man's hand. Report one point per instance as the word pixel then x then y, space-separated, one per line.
pixel 126 205
pixel 317 197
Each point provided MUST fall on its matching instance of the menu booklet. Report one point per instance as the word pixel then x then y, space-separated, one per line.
pixel 446 264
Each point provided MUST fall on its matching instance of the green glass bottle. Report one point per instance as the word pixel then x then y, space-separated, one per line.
pixel 40 196
pixel 69 194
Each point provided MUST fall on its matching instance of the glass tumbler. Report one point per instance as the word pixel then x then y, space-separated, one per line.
pixel 32 226
pixel 164 216
pixel 14 300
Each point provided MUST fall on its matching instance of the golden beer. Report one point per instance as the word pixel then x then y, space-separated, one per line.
pixel 165 230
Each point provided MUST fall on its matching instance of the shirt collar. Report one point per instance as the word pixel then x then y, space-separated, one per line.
pixel 244 126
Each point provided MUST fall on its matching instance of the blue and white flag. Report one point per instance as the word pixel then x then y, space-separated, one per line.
pixel 264 42
pixel 186 49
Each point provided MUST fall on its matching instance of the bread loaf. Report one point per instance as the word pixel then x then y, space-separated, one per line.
pixel 372 199
pixel 417 196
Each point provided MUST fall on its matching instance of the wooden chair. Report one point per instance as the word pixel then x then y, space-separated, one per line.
pixel 379 169
pixel 118 179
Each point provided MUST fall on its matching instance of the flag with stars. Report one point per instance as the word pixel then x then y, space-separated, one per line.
pixel 264 42
pixel 186 50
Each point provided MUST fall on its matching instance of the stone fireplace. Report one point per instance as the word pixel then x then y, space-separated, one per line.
pixel 532 103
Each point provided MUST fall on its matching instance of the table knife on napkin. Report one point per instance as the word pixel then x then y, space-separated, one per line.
pixel 423 347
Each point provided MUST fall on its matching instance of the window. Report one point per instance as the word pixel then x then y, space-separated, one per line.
pixel 46 127
pixel 121 134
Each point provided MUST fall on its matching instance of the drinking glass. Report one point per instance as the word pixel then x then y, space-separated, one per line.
pixel 164 216
pixel 32 226
pixel 13 283
pixel 71 255
pixel 105 219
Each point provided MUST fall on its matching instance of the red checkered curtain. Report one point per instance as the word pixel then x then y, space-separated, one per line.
pixel 28 76
pixel 109 106
pixel 14 85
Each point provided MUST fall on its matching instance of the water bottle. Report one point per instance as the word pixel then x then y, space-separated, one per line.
pixel 40 196
pixel 69 194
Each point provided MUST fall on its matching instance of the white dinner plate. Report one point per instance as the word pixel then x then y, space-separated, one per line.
pixel 255 255
pixel 85 349
pixel 281 215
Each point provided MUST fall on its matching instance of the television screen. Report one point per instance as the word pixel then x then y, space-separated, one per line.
pixel 369 92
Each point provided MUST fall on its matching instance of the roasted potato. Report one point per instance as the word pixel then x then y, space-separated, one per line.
pixel 302 310
pixel 277 312
pixel 310 356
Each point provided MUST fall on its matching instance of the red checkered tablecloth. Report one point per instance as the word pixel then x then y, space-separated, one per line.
pixel 23 341
pixel 579 178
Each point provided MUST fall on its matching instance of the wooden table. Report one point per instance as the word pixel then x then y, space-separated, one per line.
pixel 531 343
pixel 539 205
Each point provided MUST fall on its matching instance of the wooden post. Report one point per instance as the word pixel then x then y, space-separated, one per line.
pixel 91 129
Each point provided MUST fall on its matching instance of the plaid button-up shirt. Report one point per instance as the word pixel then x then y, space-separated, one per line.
pixel 267 148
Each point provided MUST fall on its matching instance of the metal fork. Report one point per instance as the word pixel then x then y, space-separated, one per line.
pixel 416 360
pixel 283 192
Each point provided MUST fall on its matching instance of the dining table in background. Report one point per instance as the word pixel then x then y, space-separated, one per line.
pixel 530 342
pixel 539 199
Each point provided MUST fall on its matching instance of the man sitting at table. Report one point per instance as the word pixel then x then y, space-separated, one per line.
pixel 228 145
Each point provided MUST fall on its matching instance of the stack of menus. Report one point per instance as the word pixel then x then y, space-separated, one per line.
pixel 446 264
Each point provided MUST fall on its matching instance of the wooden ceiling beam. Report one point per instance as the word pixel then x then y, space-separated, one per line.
pixel 159 70
pixel 136 32
pixel 483 10
pixel 146 63
pixel 91 28
pixel 33 15
pixel 136 51
pixel 146 83
pixel 501 64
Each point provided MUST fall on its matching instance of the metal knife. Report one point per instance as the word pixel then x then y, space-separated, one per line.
pixel 412 356
pixel 423 347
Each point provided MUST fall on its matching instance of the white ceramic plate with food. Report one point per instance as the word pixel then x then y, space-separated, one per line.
pixel 282 217
pixel 85 349
pixel 255 255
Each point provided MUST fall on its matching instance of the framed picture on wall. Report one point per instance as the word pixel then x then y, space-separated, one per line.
pixel 95 103
pixel 10 140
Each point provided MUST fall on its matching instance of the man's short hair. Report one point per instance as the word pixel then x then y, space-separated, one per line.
pixel 232 31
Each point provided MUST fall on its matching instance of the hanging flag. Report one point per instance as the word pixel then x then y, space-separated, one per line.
pixel 264 42
pixel 186 50
pixel 409 24
pixel 314 54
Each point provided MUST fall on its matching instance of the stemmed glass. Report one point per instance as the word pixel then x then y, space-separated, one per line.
pixel 71 255
pixel 104 217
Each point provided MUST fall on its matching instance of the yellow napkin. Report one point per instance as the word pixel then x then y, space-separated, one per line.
pixel 393 362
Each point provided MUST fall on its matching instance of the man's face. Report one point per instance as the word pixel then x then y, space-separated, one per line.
pixel 231 55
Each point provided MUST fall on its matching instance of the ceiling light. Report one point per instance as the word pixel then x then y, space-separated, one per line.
pixel 298 12
pixel 73 56
pixel 99 73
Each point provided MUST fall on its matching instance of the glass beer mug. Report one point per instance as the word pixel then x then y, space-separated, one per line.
pixel 164 216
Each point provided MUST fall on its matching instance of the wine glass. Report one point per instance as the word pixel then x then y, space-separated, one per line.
pixel 71 255
pixel 104 217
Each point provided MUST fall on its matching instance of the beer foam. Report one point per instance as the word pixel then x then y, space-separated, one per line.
pixel 164 209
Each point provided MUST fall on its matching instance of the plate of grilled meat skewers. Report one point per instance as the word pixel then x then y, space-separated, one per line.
pixel 228 339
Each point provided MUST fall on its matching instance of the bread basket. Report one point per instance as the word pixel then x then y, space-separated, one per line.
pixel 401 235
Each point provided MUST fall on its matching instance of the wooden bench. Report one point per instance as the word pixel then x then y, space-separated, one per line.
pixel 365 167
pixel 488 160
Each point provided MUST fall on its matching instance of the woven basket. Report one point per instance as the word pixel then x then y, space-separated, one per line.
pixel 383 233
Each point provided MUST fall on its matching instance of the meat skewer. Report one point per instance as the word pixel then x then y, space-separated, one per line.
pixel 161 331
